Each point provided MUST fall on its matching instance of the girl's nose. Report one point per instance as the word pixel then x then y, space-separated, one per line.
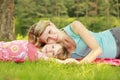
pixel 46 49
pixel 49 49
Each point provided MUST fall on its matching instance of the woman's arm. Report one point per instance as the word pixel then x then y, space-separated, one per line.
pixel 44 57
pixel 80 29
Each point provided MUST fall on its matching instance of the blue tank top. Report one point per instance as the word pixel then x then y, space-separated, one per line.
pixel 105 40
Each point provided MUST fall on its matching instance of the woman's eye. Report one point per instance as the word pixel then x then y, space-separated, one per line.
pixel 49 31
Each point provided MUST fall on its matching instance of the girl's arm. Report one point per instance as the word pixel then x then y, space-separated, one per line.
pixel 80 29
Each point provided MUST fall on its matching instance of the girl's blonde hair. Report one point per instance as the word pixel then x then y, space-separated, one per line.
pixel 35 31
pixel 63 54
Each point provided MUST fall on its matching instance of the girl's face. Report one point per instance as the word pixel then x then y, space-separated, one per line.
pixel 50 35
pixel 52 49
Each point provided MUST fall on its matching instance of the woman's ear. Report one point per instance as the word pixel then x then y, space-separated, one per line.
pixel 51 23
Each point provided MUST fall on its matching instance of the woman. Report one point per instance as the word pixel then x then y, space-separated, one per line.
pixel 78 40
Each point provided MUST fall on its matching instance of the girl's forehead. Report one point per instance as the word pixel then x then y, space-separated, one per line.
pixel 56 46
pixel 53 44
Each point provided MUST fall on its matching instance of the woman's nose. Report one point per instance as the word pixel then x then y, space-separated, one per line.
pixel 53 36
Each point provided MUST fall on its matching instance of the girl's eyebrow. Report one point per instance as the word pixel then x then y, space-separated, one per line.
pixel 59 51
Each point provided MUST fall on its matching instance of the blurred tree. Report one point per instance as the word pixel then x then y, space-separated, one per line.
pixel 77 8
pixel 118 8
pixel 7 20
pixel 25 14
pixel 58 8
pixel 86 15
pixel 93 7
pixel 115 8
pixel 69 4
pixel 108 13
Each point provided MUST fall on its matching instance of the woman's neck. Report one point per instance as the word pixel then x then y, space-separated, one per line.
pixel 68 43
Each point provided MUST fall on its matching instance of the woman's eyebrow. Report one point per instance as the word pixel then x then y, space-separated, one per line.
pixel 47 39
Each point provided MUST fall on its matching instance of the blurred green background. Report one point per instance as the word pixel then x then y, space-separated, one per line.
pixel 96 15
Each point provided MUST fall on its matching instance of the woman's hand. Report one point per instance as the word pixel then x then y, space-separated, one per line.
pixel 68 61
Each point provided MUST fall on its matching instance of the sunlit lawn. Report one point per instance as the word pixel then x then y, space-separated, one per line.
pixel 42 70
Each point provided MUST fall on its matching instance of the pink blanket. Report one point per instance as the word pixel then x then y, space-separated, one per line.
pixel 111 61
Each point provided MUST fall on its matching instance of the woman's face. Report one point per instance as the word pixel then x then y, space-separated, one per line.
pixel 52 49
pixel 50 35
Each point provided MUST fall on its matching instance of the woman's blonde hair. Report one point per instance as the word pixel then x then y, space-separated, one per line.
pixel 35 31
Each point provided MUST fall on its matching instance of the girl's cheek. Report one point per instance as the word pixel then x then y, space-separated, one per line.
pixel 49 54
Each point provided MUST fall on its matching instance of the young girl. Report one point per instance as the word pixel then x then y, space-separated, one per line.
pixel 20 50
pixel 79 41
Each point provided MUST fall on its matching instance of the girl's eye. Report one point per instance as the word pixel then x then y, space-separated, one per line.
pixel 52 46
pixel 53 53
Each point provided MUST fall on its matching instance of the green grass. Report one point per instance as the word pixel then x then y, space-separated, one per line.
pixel 42 70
